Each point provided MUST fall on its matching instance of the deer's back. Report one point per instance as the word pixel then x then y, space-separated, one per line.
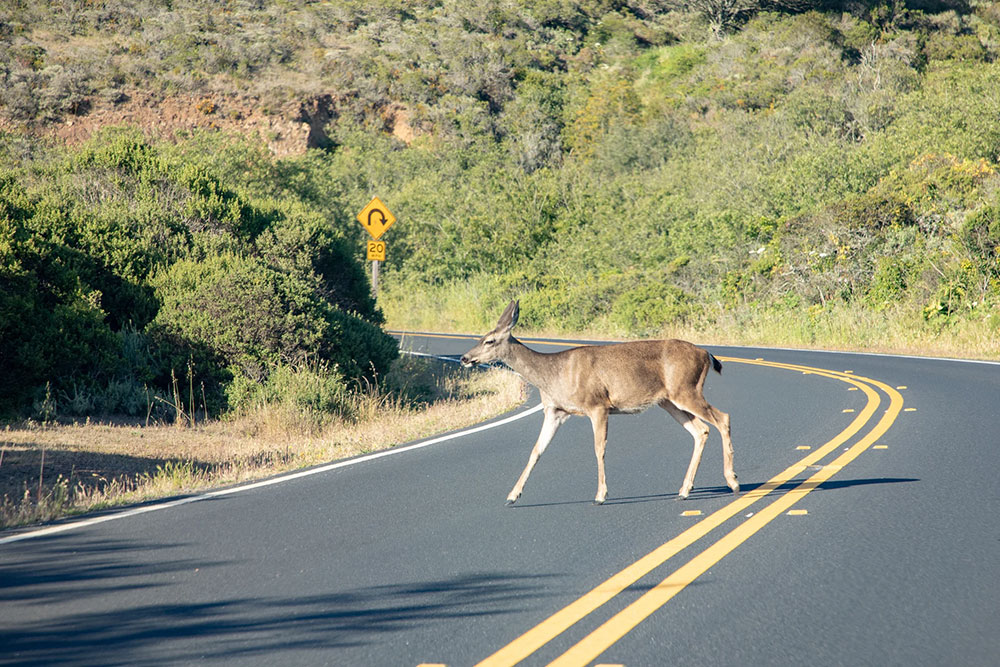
pixel 629 377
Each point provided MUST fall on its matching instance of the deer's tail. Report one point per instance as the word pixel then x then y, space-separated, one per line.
pixel 716 364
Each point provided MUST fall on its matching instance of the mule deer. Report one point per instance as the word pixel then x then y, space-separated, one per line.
pixel 621 378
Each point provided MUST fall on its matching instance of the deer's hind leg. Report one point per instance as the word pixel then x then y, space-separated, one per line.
pixel 599 420
pixel 699 431
pixel 698 407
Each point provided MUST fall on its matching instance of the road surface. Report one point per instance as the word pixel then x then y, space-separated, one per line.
pixel 866 533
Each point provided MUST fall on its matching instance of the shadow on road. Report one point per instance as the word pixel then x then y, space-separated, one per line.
pixel 90 603
pixel 708 493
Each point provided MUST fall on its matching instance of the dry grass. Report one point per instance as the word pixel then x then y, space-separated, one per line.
pixel 53 470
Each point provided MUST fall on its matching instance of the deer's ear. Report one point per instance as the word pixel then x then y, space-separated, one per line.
pixel 509 317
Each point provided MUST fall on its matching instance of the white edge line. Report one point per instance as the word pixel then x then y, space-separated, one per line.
pixel 76 525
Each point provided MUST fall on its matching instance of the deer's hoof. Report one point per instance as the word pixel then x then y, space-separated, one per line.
pixel 510 501
pixel 733 484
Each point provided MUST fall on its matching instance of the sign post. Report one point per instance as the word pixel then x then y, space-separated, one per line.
pixel 376 218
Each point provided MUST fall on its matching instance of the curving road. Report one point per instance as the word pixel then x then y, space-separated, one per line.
pixel 867 533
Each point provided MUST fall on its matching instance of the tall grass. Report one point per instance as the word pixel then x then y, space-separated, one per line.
pixel 451 306
pixel 902 328
pixel 897 330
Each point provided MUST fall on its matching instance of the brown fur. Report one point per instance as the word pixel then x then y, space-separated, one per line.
pixel 622 378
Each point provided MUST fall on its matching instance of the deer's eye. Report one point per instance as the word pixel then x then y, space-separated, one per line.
pixel 489 341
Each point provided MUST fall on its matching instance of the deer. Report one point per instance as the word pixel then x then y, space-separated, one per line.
pixel 619 378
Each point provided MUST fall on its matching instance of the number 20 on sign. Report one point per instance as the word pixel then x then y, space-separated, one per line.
pixel 376 251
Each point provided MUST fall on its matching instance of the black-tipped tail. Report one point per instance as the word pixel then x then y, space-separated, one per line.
pixel 716 364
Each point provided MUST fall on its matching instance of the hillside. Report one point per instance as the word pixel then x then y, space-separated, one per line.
pixel 817 173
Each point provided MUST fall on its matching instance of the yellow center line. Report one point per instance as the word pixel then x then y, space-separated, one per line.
pixel 591 646
pixel 556 624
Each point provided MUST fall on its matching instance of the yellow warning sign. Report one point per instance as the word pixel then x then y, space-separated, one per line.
pixel 376 218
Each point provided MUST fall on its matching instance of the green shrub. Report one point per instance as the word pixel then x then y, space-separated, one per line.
pixel 889 282
pixel 214 208
pixel 298 242
pixel 670 62
pixel 951 114
pixel 648 308
pixel 255 318
pixel 312 389
pixel 51 324
pixel 934 183
pixel 872 212
pixel 980 234
pixel 608 99
pixel 240 309
pixel 947 302
pixel 125 268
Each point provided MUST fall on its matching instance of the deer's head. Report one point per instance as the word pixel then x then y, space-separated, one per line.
pixel 494 344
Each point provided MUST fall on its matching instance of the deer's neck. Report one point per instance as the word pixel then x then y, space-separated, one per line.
pixel 537 368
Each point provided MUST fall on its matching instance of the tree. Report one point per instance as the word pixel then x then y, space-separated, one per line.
pixel 722 15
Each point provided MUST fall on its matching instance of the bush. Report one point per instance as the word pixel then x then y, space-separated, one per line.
pixel 239 309
pixel 889 282
pixel 309 389
pixel 51 324
pixel 648 308
pixel 255 319
pixel 49 337
pixel 872 212
pixel 980 234
pixel 299 243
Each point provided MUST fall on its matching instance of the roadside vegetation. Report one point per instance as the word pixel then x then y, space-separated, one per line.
pixel 781 172
pixel 53 469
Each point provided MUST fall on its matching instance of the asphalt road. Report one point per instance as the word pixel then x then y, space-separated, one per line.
pixel 877 545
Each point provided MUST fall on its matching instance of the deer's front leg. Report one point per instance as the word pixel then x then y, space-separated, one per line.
pixel 553 420
pixel 599 420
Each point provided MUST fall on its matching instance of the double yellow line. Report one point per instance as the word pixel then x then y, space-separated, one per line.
pixel 598 641
pixel 607 634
